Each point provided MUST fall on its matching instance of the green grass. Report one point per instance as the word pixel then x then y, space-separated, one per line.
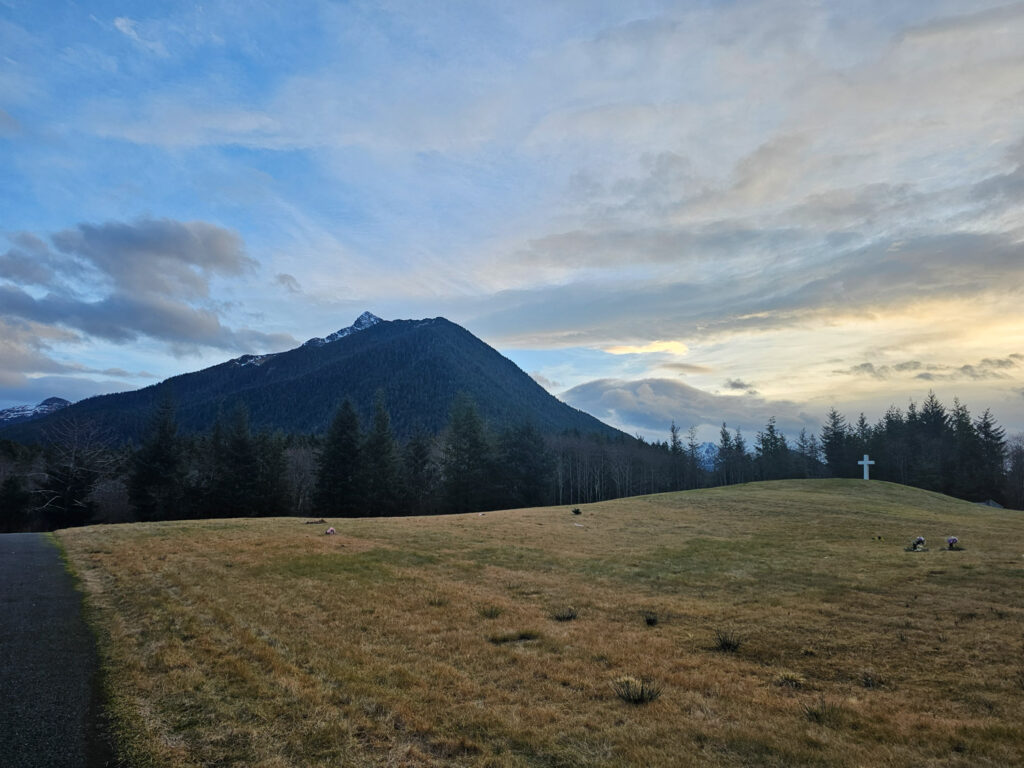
pixel 411 641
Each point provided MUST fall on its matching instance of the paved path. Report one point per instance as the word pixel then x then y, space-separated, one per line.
pixel 48 701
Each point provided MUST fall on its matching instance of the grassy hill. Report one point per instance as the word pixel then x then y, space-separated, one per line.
pixel 432 641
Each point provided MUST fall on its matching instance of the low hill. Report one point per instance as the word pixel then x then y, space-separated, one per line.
pixel 784 623
pixel 419 365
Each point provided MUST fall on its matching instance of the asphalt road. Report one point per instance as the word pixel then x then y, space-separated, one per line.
pixel 49 707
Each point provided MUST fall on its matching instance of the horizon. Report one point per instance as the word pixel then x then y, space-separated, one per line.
pixel 673 211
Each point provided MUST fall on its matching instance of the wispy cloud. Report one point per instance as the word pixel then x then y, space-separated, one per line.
pixel 129 28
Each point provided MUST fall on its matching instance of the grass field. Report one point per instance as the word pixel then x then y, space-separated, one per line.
pixel 433 641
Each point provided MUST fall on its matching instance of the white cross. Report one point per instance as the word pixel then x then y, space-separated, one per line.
pixel 866 463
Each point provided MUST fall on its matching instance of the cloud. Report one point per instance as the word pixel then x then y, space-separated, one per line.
pixel 129 28
pixel 119 281
pixel 544 381
pixel 164 256
pixel 29 372
pixel 9 125
pixel 987 369
pixel 289 282
pixel 671 347
pixel 651 405
pixel 738 385
pixel 685 368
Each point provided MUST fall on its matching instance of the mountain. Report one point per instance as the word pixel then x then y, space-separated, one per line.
pixel 419 365
pixel 707 454
pixel 20 413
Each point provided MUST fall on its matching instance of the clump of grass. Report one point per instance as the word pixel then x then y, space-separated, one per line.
pixel 437 601
pixel 824 712
pixel 651 618
pixel 727 641
pixel 870 679
pixel 522 636
pixel 789 679
pixel 576 511
pixel 633 690
pixel 490 611
pixel 566 613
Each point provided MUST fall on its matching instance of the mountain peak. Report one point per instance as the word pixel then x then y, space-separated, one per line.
pixel 29 412
pixel 364 321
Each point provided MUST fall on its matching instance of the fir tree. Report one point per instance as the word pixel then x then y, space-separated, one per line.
pixel 992 440
pixel 339 491
pixel 156 476
pixel 525 467
pixel 466 460
pixel 835 442
pixel 420 473
pixel 380 464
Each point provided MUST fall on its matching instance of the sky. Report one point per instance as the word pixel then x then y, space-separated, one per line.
pixel 691 211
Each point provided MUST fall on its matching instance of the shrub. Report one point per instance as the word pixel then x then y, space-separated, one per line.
pixel 567 613
pixel 789 679
pixel 870 679
pixel 636 691
pixel 823 712
pixel 727 641
pixel 490 611
pixel 576 511
pixel 650 618
pixel 521 636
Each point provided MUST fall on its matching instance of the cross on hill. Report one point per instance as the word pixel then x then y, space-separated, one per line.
pixel 866 462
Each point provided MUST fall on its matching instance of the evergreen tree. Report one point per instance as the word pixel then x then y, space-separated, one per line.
pixel 525 466
pixel 835 443
pixel 934 455
pixel 807 459
pixel 965 480
pixel 677 460
pixel 339 487
pixel 992 465
pixel 270 486
pixel 724 461
pixel 772 453
pixel 241 466
pixel 421 475
pixel 380 464
pixel 1014 485
pixel 892 447
pixel 694 471
pixel 466 460
pixel 156 477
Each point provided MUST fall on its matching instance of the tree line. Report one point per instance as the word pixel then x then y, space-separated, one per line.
pixel 353 469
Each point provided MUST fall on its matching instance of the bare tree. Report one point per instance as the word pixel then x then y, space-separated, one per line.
pixel 78 454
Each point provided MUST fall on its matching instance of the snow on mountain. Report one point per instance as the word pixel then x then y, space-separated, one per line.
pixel 364 321
pixel 707 453
pixel 27 412
pixel 251 360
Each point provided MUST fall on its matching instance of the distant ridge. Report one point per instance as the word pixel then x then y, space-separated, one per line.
pixel 20 413
pixel 419 365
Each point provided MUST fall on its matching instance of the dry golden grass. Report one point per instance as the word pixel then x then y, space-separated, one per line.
pixel 432 641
